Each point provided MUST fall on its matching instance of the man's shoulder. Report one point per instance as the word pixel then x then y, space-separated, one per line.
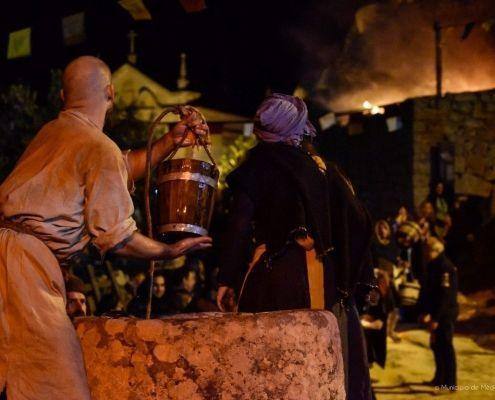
pixel 81 133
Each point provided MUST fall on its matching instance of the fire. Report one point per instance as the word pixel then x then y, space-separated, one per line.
pixel 390 56
pixel 372 109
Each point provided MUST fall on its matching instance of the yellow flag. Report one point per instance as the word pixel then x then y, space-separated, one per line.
pixel 136 8
pixel 19 44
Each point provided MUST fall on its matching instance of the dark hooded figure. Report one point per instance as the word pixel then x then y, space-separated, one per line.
pixel 311 235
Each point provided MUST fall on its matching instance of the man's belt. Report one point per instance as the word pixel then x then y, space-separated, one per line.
pixel 16 226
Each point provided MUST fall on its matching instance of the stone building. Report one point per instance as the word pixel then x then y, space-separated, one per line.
pixel 464 122
pixel 394 158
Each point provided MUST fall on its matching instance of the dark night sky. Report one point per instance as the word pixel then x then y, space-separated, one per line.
pixel 236 49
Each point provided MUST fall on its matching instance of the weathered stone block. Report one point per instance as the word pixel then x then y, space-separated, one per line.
pixel 487 96
pixel 293 355
pixel 460 164
pixel 476 164
pixel 465 97
pixel 472 185
pixel 490 174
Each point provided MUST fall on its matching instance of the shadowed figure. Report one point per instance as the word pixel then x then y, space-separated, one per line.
pixel 311 234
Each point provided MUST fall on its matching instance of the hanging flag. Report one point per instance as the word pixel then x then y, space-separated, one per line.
pixel 136 8
pixel 19 44
pixel 394 123
pixel 73 29
pixel 487 25
pixel 366 16
pixel 467 30
pixel 328 120
pixel 193 5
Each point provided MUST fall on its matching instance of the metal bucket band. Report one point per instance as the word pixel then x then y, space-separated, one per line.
pixel 182 228
pixel 188 176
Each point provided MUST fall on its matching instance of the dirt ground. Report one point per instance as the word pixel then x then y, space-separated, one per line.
pixel 410 362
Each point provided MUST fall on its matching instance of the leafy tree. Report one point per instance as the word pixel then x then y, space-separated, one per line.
pixel 21 116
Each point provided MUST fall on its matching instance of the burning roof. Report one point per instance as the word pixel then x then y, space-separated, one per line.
pixel 389 54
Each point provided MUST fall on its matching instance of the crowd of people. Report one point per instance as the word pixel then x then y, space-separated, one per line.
pixel 177 287
pixel 417 283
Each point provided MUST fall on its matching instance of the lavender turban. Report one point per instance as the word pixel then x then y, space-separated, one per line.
pixel 283 118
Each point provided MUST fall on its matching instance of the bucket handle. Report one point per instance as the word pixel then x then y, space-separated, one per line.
pixel 200 140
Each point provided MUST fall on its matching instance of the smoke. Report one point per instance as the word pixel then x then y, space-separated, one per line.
pixel 389 56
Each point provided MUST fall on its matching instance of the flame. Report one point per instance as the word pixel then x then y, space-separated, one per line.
pixel 372 109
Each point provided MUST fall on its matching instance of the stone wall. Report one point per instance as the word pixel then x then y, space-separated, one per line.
pixel 290 355
pixel 467 120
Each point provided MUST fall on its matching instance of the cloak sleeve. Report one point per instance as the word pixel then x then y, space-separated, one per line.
pixel 237 242
pixel 108 204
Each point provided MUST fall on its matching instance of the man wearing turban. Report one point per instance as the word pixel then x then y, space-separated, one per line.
pixel 311 235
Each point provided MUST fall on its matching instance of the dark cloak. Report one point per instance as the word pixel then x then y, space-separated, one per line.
pixel 280 192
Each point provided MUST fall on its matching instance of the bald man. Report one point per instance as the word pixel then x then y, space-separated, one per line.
pixel 70 188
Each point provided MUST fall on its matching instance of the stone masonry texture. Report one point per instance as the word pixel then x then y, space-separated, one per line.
pixel 467 120
pixel 293 355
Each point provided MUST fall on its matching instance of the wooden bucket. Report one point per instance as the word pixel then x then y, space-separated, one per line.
pixel 185 197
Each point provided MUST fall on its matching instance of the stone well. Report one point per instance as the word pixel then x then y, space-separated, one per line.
pixel 293 355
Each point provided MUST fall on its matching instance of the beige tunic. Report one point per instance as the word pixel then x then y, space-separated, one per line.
pixel 70 187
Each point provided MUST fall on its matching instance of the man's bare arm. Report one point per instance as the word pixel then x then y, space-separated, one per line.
pixel 160 149
pixel 142 247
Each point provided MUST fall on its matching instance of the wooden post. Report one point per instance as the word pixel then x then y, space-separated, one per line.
pixel 438 59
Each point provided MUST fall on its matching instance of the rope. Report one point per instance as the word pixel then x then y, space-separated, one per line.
pixel 181 111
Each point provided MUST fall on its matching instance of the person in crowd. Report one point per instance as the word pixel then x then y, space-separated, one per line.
pixel 384 247
pixel 185 295
pixel 76 298
pixel 467 219
pixel 441 208
pixel 312 234
pixel 411 268
pixel 133 285
pixel 439 310
pixel 160 302
pixel 412 258
pixel 426 219
pixel 374 321
pixel 70 188
pixel 401 217
pixel 188 294
pixel 386 254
